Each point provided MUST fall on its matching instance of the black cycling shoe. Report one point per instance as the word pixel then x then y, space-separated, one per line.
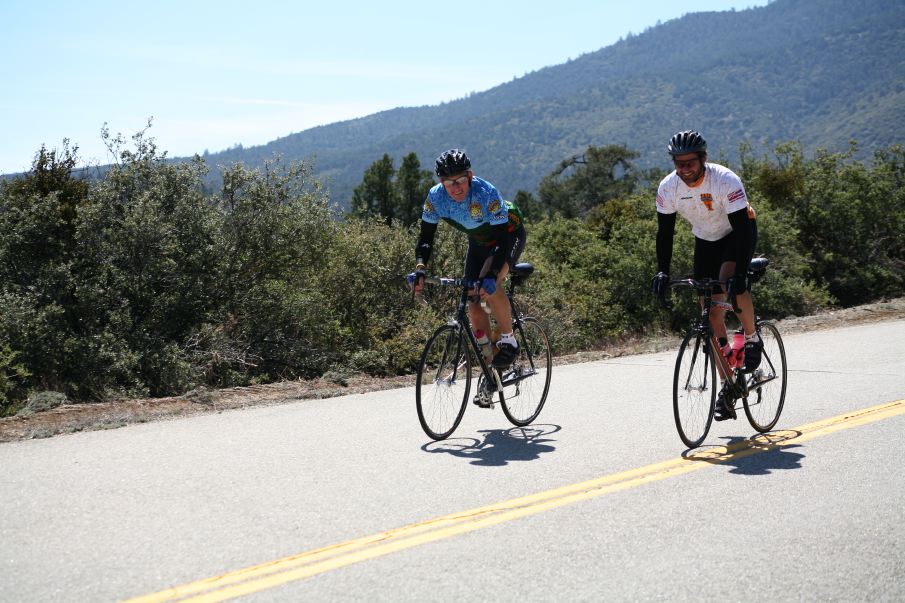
pixel 724 410
pixel 482 402
pixel 753 351
pixel 505 355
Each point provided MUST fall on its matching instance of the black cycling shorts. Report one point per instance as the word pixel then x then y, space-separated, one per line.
pixel 479 258
pixel 709 256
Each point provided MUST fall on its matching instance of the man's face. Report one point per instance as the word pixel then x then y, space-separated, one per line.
pixel 457 185
pixel 689 167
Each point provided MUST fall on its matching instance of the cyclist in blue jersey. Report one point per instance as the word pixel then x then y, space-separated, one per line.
pixel 496 239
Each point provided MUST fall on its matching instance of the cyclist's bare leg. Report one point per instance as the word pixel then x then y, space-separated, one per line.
pixel 499 305
pixel 478 317
pixel 718 315
pixel 746 315
pixel 718 324
pixel 718 318
pixel 742 300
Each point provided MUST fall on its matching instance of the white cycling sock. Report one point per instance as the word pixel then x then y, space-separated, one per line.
pixel 752 337
pixel 508 338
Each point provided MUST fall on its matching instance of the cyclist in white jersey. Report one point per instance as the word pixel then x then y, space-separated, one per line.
pixel 496 239
pixel 712 198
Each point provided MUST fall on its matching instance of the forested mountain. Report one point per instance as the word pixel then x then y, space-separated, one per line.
pixel 822 72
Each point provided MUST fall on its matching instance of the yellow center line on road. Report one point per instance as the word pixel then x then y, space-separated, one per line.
pixel 304 565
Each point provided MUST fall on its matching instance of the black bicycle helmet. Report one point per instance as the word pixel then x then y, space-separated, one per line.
pixel 686 142
pixel 452 162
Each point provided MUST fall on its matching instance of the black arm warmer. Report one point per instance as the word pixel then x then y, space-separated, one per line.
pixel 502 248
pixel 666 228
pixel 425 242
pixel 743 228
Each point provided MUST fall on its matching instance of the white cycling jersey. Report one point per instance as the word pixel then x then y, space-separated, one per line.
pixel 706 206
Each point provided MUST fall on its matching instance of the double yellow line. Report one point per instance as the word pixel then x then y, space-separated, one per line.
pixel 304 565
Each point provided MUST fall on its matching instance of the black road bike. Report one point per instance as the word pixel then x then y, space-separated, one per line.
pixel 695 384
pixel 452 358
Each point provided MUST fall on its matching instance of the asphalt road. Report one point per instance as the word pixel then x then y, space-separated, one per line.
pixel 346 499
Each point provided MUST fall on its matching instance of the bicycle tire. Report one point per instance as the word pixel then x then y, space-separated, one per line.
pixel 526 381
pixel 767 384
pixel 694 390
pixel 443 382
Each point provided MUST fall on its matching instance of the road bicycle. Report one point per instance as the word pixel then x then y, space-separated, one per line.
pixel 695 385
pixel 452 358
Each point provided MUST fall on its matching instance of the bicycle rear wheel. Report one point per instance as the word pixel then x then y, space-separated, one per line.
pixel 694 390
pixel 527 380
pixel 444 380
pixel 767 384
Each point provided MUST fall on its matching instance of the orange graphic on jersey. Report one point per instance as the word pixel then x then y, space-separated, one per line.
pixel 475 210
pixel 707 199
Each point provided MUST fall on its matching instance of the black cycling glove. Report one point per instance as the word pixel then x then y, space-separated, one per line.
pixel 659 286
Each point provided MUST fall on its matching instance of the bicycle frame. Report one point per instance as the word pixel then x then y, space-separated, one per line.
pixel 445 370
pixel 461 321
pixel 762 403
pixel 737 384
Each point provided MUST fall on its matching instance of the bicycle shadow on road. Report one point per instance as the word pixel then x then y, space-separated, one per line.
pixel 761 454
pixel 499 447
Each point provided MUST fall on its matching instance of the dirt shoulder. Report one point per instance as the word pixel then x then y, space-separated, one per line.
pixel 70 418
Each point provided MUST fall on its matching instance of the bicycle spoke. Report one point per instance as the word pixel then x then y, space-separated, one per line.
pixel 693 391
pixel 444 380
pixel 527 381
pixel 767 384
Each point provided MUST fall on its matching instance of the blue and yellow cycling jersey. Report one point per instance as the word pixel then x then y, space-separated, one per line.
pixel 482 209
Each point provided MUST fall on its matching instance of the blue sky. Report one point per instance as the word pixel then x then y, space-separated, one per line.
pixel 216 74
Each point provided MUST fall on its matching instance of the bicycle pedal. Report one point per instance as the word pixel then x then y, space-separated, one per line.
pixel 481 404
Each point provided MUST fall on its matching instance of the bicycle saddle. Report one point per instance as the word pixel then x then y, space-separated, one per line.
pixel 756 268
pixel 520 272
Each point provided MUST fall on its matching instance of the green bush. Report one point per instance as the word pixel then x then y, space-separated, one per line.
pixel 12 377
pixel 141 282
pixel 41 401
pixel 848 218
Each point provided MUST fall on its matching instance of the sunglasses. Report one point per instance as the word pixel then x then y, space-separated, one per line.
pixel 460 181
pixel 689 163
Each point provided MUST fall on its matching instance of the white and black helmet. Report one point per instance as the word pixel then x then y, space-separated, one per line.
pixel 686 142
pixel 453 161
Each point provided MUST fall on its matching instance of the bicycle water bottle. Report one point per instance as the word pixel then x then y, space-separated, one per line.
pixel 726 350
pixel 737 358
pixel 484 344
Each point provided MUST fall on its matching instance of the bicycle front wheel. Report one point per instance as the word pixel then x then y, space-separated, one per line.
pixel 767 384
pixel 526 381
pixel 444 380
pixel 694 390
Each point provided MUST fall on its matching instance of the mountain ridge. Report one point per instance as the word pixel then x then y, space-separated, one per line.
pixel 822 73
